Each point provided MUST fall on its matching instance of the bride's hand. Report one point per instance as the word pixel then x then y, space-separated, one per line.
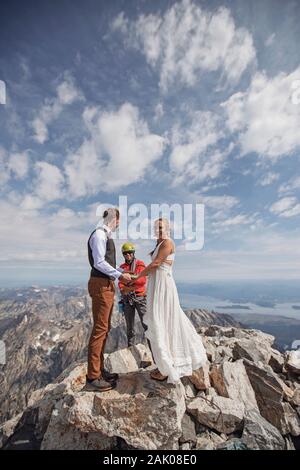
pixel 134 277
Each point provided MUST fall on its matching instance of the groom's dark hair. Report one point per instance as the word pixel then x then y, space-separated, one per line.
pixel 111 213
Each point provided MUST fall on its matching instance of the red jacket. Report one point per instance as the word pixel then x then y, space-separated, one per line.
pixel 139 287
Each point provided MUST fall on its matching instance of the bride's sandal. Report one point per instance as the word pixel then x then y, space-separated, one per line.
pixel 156 375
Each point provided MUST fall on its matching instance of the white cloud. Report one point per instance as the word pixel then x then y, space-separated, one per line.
pixel 290 186
pixel 195 156
pixel 30 235
pixel 14 165
pixel 48 186
pixel 236 220
pixel 223 203
pixel 268 179
pixel 66 94
pixel 264 117
pixel 118 153
pixel 18 164
pixel 187 41
pixel 286 207
pixel 264 255
pixel 49 182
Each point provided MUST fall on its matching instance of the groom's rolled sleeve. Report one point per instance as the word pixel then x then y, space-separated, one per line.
pixel 98 246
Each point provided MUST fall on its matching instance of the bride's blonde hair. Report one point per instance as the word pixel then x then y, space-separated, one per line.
pixel 165 230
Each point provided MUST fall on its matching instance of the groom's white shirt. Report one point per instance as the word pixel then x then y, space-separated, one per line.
pixel 98 246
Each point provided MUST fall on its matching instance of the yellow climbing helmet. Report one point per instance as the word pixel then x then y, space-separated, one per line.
pixel 128 247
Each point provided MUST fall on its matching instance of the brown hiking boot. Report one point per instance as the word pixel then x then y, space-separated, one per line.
pixel 156 375
pixel 109 377
pixel 98 385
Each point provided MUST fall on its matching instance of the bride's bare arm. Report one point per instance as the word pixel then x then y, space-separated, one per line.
pixel 165 250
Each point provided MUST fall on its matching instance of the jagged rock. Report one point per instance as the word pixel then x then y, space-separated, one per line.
pixel 291 421
pixel 7 429
pixel 144 413
pixel 128 359
pixel 211 392
pixel 189 388
pixel 121 361
pixel 60 435
pixel 239 333
pixel 233 444
pixel 296 397
pixel 289 445
pixel 219 413
pixel 269 392
pixel 141 412
pixel 209 348
pixel 230 379
pixel 204 443
pixel 209 440
pixel 142 355
pixel 251 349
pixel 217 330
pixel 202 318
pixel 259 434
pixel 185 446
pixel 292 361
pixel 200 378
pixel 276 361
pixel 188 430
pixel 223 353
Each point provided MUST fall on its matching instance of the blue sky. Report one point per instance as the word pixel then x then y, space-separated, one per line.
pixel 163 102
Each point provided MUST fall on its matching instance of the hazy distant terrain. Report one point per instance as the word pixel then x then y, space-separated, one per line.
pixel 286 330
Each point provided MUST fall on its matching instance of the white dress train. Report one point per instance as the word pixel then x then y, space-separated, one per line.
pixel 176 346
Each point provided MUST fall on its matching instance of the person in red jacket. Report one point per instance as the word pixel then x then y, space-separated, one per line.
pixel 133 298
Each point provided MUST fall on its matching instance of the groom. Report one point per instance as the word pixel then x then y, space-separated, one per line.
pixel 101 288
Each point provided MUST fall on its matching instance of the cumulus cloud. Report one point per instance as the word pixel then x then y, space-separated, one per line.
pixel 13 165
pixel 187 41
pixel 264 254
pixel 48 186
pixel 49 182
pixel 268 179
pixel 34 235
pixel 264 117
pixel 290 186
pixel 286 207
pixel 118 153
pixel 195 155
pixel 236 220
pixel 66 94
pixel 220 202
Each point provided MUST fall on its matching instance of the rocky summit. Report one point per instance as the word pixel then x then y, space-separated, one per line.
pixel 246 397
pixel 47 329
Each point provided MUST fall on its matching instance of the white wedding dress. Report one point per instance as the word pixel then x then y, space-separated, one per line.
pixel 176 346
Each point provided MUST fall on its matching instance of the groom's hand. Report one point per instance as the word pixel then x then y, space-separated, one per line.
pixel 132 280
pixel 125 278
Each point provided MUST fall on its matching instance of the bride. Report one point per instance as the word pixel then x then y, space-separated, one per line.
pixel 176 347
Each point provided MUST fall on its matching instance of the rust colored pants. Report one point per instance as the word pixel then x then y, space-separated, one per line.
pixel 102 292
